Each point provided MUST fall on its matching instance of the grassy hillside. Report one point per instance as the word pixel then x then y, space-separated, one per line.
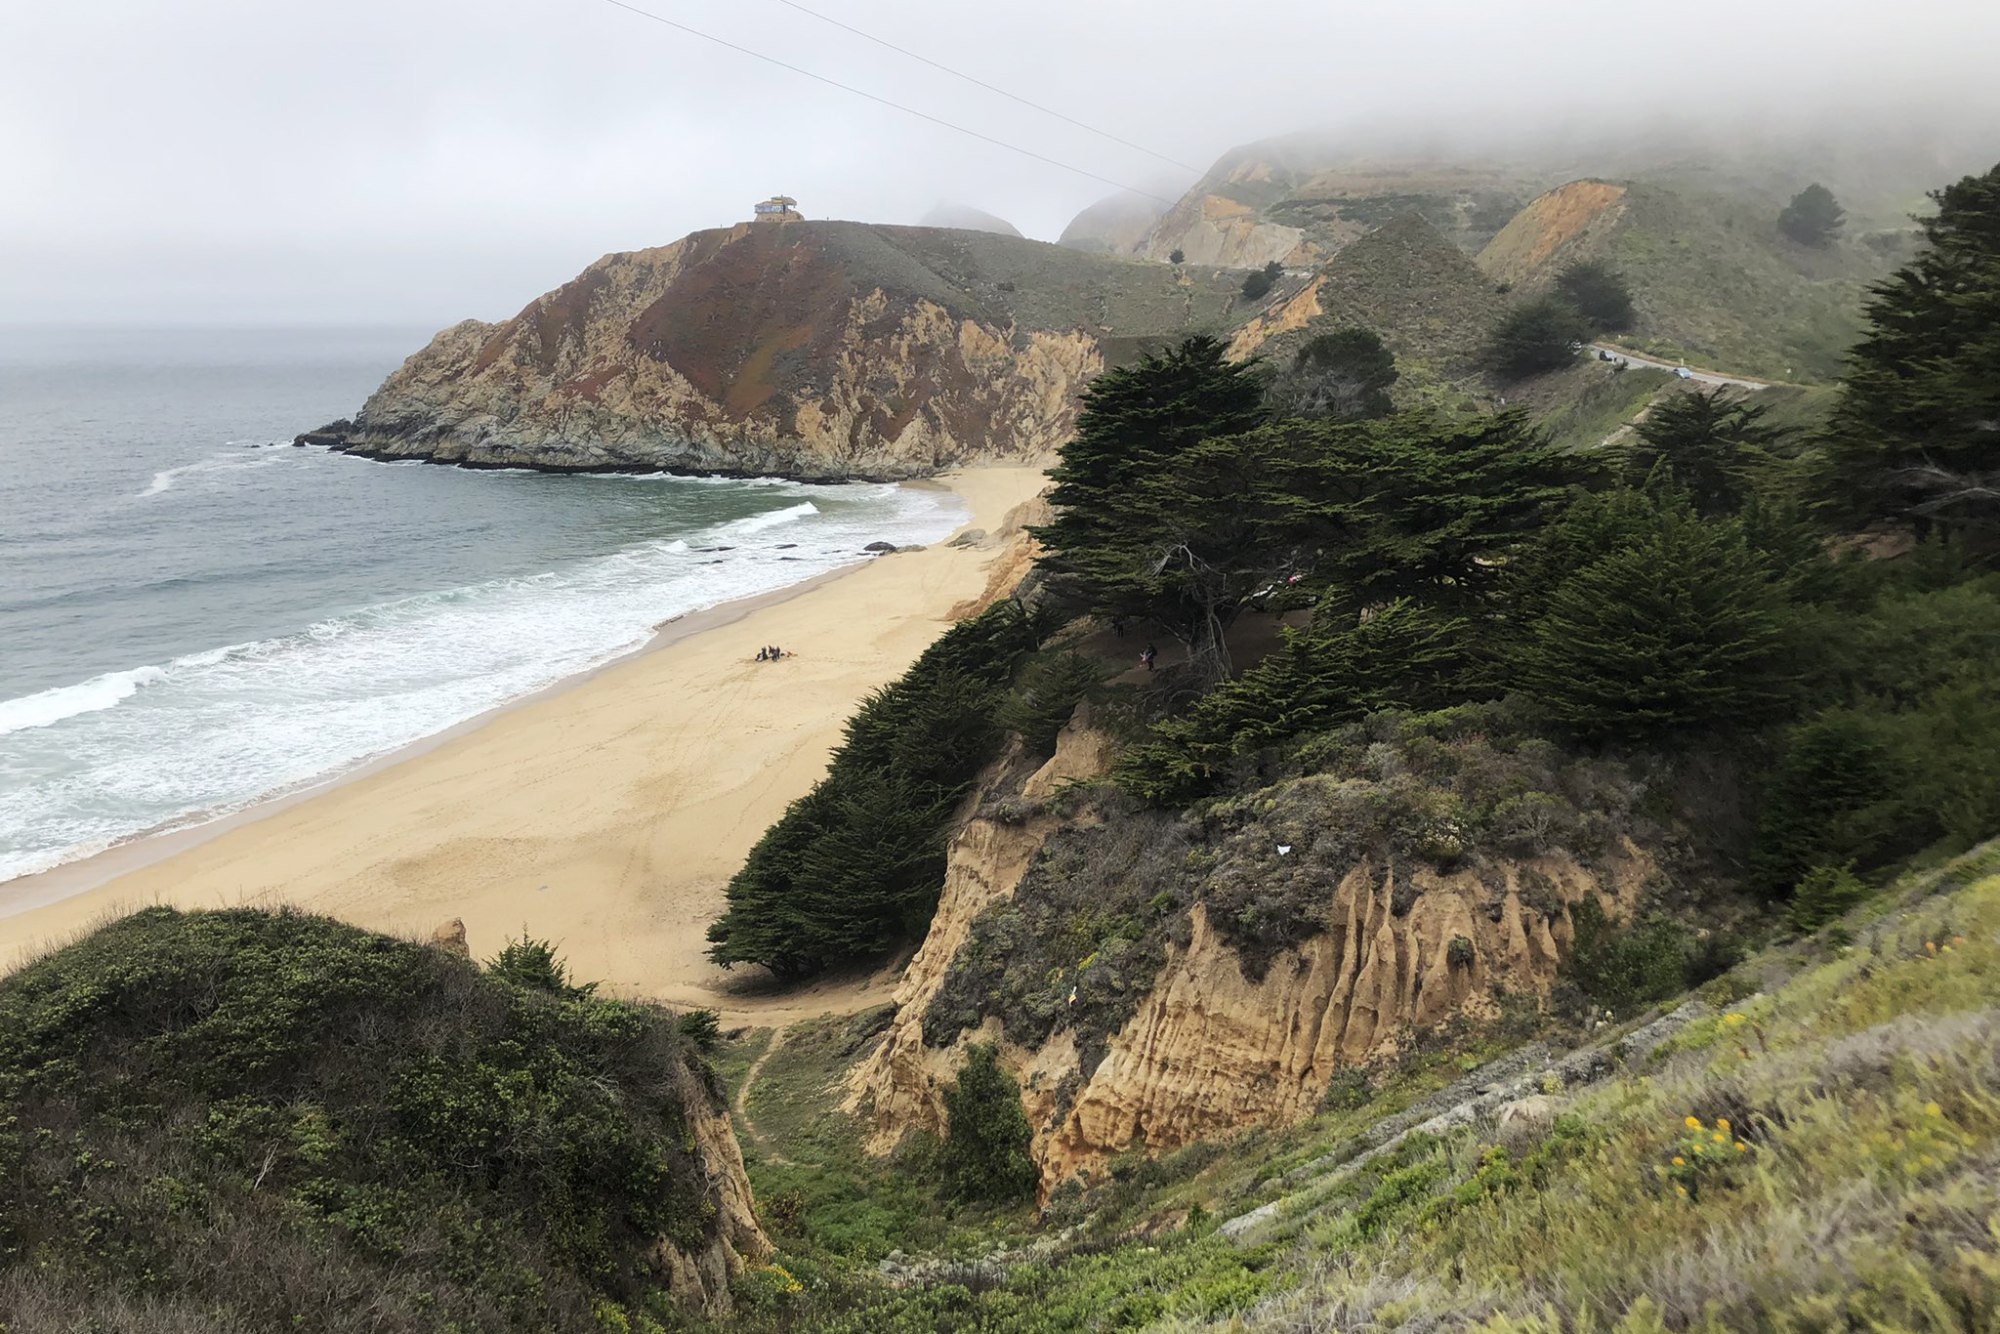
pixel 1713 281
pixel 1807 1144
pixel 245 1121
pixel 1429 303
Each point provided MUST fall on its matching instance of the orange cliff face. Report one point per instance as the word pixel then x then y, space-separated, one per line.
pixel 1215 1046
pixel 812 350
pixel 1553 228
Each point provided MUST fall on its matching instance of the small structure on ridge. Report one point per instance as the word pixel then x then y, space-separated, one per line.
pixel 778 208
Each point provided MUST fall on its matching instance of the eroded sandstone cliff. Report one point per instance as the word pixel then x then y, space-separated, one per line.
pixel 700 1278
pixel 808 349
pixel 1156 981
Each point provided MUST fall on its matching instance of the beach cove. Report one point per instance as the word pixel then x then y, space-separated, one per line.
pixel 606 814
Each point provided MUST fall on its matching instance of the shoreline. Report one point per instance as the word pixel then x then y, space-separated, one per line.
pixel 636 785
pixel 135 852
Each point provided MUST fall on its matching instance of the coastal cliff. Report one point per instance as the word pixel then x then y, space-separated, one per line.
pixel 1151 983
pixel 812 350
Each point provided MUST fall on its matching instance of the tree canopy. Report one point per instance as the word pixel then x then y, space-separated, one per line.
pixel 1346 375
pixel 1814 216
pixel 1677 630
pixel 1916 434
pixel 1258 284
pixel 1709 442
pixel 855 865
pixel 1536 337
pixel 1599 293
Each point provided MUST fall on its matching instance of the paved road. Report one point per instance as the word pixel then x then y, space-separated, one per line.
pixel 1700 377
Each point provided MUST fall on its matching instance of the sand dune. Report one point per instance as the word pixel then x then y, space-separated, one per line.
pixel 607 815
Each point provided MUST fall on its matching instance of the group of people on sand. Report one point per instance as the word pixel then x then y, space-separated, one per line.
pixel 771 653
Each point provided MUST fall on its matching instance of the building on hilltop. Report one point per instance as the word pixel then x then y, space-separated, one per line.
pixel 778 208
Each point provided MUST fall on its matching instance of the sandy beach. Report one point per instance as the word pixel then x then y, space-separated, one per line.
pixel 607 814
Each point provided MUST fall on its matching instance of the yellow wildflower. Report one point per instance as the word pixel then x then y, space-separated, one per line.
pixel 1692 1123
pixel 1733 1019
pixel 1718 1137
pixel 1741 1147
pixel 1681 1191
pixel 1680 1161
pixel 1932 1109
pixel 1722 1123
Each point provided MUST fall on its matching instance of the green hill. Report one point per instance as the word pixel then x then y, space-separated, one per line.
pixel 1713 281
pixel 1405 281
pixel 244 1121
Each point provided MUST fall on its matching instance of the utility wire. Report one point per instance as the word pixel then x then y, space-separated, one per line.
pixel 981 83
pixel 883 101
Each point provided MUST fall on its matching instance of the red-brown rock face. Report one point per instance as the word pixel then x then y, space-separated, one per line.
pixel 805 349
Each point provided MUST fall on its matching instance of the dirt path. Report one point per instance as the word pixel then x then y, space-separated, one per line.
pixel 740 1104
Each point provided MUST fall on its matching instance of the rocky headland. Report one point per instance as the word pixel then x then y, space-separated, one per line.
pixel 810 350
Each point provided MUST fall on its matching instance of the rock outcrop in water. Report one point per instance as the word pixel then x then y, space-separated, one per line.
pixel 815 350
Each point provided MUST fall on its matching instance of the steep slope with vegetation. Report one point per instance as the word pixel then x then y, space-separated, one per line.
pixel 805 349
pixel 245 1121
pixel 1713 280
pixel 1406 283
pixel 1548 738
pixel 1807 1144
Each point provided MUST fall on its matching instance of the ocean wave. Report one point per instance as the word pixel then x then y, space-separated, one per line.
pixel 233 461
pixel 49 707
pixel 757 523
pixel 216 731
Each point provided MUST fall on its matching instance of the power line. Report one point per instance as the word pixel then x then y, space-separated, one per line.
pixel 883 101
pixel 981 83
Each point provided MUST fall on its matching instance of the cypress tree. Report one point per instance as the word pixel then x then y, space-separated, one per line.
pixel 1814 216
pixel 1676 633
pixel 1345 375
pixel 854 867
pixel 1916 434
pixel 987 1134
pixel 1599 293
pixel 1710 443
pixel 1539 336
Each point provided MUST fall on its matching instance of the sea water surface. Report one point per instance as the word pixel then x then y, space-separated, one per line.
pixel 195 615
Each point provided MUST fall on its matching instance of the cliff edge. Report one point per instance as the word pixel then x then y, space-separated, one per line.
pixel 814 350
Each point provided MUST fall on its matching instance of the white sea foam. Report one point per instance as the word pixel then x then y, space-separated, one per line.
pixel 87 765
pixel 235 460
pixel 49 707
pixel 758 523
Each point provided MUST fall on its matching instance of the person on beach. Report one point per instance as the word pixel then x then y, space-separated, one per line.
pixel 763 655
pixel 1146 657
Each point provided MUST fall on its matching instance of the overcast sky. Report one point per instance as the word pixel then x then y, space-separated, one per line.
pixel 420 161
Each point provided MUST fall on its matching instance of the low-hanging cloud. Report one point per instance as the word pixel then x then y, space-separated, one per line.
pixel 426 160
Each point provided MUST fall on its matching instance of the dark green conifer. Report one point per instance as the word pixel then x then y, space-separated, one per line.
pixel 1709 443
pixel 1675 634
pixel 1916 435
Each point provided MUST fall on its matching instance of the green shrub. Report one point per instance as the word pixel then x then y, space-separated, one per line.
pixel 1625 969
pixel 1402 656
pixel 534 964
pixel 1047 693
pixel 245 1112
pixel 1824 894
pixel 987 1134
pixel 703 1029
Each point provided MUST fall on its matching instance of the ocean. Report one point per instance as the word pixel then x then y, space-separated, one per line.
pixel 196 615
